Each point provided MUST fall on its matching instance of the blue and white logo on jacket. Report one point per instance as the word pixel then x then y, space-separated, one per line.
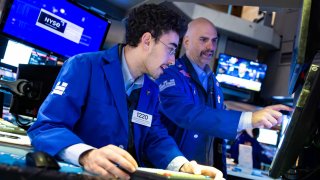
pixel 167 84
pixel 59 88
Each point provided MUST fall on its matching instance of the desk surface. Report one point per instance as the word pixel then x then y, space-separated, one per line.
pixel 16 156
pixel 255 174
pixel 13 166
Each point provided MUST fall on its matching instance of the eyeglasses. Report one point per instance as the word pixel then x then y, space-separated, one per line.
pixel 172 51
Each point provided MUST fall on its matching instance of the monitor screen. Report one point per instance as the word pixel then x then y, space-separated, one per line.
pixel 26 55
pixel 56 26
pixel 302 129
pixel 11 57
pixel 41 80
pixel 241 73
pixel 268 136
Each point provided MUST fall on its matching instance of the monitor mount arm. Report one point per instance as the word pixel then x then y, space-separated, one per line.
pixel 20 87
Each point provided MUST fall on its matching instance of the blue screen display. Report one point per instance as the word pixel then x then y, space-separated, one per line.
pixel 57 26
pixel 240 72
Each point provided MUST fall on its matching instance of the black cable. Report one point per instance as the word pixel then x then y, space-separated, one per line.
pixel 23 125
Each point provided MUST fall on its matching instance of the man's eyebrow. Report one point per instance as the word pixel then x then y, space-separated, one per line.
pixel 174 44
pixel 203 37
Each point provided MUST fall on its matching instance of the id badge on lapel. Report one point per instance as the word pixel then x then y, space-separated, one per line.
pixel 141 118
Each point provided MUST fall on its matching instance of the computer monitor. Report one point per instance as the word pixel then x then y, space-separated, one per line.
pixel 240 72
pixel 41 79
pixel 26 55
pixel 300 136
pixel 56 26
pixel 306 43
pixel 11 57
pixel 301 132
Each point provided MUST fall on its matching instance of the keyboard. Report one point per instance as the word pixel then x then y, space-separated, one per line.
pixel 16 172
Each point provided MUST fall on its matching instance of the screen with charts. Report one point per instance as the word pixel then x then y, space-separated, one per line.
pixel 240 72
pixel 57 26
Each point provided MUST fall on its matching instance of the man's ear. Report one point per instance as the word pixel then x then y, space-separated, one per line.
pixel 186 41
pixel 146 40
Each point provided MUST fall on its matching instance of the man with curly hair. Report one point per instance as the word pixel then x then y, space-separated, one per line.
pixel 103 112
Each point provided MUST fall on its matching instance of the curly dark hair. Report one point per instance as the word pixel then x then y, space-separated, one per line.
pixel 156 19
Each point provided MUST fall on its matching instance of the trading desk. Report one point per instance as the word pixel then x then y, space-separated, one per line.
pixel 13 165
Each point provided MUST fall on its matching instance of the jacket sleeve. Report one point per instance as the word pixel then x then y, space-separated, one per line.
pixel 57 116
pixel 178 105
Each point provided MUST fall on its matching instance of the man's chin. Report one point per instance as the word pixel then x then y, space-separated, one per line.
pixel 154 76
pixel 206 60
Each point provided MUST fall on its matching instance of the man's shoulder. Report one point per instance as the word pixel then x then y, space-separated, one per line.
pixel 87 57
pixel 178 68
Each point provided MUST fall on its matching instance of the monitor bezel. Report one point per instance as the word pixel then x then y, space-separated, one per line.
pixel 307 106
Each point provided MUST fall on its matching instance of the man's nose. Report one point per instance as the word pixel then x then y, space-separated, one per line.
pixel 211 45
pixel 171 60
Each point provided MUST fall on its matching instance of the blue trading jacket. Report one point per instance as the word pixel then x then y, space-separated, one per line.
pixel 185 113
pixel 88 105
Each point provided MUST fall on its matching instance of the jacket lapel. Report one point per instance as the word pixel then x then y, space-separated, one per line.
pixel 147 92
pixel 147 104
pixel 113 73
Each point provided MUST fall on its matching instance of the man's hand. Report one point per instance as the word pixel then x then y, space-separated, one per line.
pixel 268 116
pixel 106 161
pixel 194 168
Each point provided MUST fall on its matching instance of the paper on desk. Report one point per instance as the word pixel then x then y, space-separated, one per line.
pixel 172 174
pixel 245 156
pixel 17 139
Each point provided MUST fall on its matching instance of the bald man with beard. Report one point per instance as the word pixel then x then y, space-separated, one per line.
pixel 191 101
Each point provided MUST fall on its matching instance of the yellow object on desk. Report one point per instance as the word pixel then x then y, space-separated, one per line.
pixel 173 174
pixel 6 126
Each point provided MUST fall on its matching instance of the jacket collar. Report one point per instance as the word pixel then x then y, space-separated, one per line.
pixel 113 54
pixel 189 68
